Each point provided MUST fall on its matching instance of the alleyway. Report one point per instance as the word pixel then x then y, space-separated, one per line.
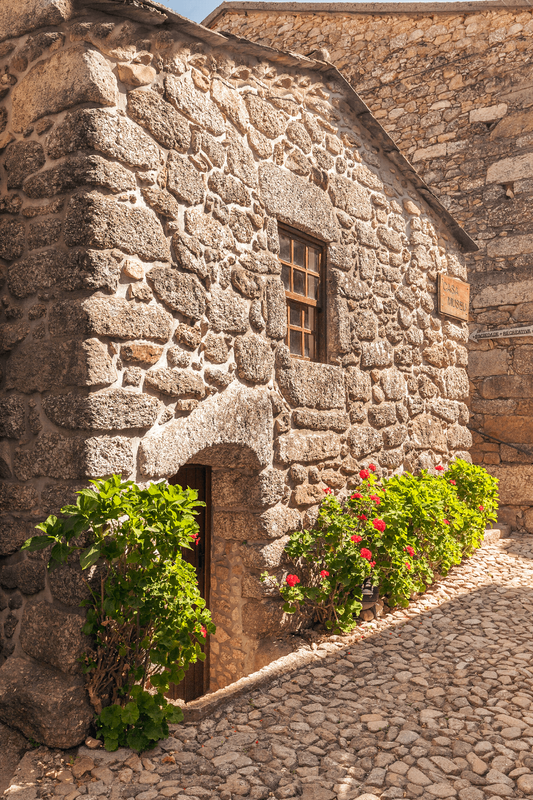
pixel 434 702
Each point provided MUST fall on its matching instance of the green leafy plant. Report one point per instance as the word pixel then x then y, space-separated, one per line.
pixel 145 613
pixel 399 533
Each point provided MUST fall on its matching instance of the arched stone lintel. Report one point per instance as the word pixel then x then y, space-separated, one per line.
pixel 240 417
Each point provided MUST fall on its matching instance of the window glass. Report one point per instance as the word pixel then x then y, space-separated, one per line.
pixel 284 247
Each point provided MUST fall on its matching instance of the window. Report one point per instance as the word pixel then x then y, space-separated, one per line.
pixel 301 271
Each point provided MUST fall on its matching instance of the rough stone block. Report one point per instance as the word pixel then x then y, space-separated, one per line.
pixel 265 619
pixel 457 386
pixel 121 319
pixel 488 362
pixel 12 417
pixel 377 354
pixel 184 180
pixel 22 159
pixel 43 234
pixel 17 18
pixel 254 358
pixel 179 292
pixel 27 575
pixel 505 293
pixel 508 246
pixel 136 74
pixel 53 636
pixel 393 383
pixel 275 309
pixel 92 170
pixel 382 415
pixel 321 420
pixel 227 311
pixel 312 385
pixel 44 704
pixel 208 230
pixel 197 105
pixel 459 437
pixel 67 78
pixel 515 429
pixel 107 455
pixel 303 448
pixel 96 221
pixel 350 197
pixel 427 433
pixel 514 481
pixel 116 409
pixel 166 125
pixel 264 556
pixel 522 360
pixel 511 169
pixel 141 352
pixel 230 103
pixel 263 116
pixel 86 269
pixel 363 440
pixel 14 532
pixel 507 386
pixel 295 201
pixel 41 366
pixel 176 382
pixel 358 384
pixel 12 238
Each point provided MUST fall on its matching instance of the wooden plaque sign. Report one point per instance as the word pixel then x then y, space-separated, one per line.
pixel 454 297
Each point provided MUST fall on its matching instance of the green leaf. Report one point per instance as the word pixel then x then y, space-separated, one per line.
pixel 90 556
pixel 130 713
pixel 37 543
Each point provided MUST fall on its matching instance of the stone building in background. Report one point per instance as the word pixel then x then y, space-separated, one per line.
pixel 217 268
pixel 452 84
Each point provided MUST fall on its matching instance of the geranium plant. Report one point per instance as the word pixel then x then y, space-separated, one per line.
pixel 145 614
pixel 398 532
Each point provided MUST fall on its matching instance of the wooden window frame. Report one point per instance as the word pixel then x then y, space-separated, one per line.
pixel 294 299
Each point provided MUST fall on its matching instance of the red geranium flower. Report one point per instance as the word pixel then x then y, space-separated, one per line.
pixel 445 521
pixel 482 508
pixel 375 498
pixel 327 490
pixel 292 580
pixel 203 631
pixel 409 550
pixel 439 468
pixel 407 565
pixel 324 573
pixel 453 483
pixel 379 524
pixel 356 496
pixel 355 538
pixel 372 564
pixel 364 474
pixel 362 517
pixel 372 467
pixel 366 554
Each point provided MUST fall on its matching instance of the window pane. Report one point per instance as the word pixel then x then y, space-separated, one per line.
pixel 296 343
pixel 296 315
pixel 299 253
pixel 313 257
pixel 309 319
pixel 286 277
pixel 309 345
pixel 298 282
pixel 313 287
pixel 284 247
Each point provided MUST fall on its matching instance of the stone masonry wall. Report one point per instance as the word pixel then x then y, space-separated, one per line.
pixel 453 86
pixel 143 172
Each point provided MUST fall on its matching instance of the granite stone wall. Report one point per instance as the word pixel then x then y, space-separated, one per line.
pixel 144 170
pixel 453 85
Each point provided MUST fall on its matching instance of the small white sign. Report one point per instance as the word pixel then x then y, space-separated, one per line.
pixel 504 333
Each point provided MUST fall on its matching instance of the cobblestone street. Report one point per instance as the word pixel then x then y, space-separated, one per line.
pixel 432 702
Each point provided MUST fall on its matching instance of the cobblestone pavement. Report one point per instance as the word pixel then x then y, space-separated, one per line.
pixel 432 702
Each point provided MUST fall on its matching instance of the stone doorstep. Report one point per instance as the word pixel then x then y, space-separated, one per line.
pixel 493 535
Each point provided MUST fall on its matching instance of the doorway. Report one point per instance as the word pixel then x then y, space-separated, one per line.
pixel 198 477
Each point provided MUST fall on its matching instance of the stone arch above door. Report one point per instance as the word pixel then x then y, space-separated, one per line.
pixel 236 424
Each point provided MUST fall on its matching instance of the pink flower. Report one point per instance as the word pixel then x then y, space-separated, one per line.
pixel 372 467
pixel 203 631
pixel 362 517
pixel 439 468
pixel 379 524
pixel 292 580
pixel 453 483
pixel 324 573
pixel 366 554
pixel 356 496
pixel 409 550
pixel 327 490
pixel 407 565
pixel 356 538
pixel 445 521
pixel 375 498
pixel 364 474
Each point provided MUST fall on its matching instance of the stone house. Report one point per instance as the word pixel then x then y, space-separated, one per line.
pixel 452 84
pixel 218 269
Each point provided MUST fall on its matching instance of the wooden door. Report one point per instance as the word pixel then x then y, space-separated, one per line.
pixel 196 682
